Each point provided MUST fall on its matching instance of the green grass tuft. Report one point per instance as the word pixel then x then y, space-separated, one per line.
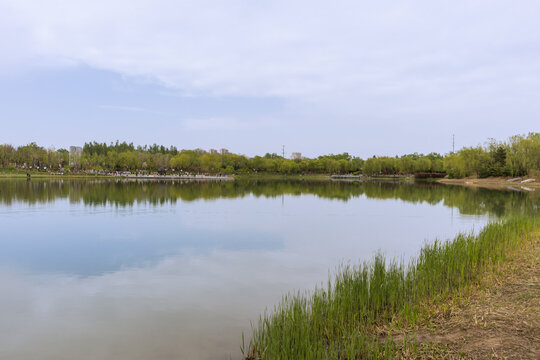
pixel 341 321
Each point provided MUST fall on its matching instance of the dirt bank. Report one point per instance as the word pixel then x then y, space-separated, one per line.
pixel 495 183
pixel 498 320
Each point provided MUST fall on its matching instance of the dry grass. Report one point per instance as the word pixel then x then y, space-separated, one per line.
pixel 500 319
pixel 493 183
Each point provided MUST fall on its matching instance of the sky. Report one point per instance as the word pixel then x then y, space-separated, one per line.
pixel 364 77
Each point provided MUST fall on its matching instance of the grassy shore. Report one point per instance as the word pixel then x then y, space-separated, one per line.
pixel 263 177
pixel 498 319
pixel 18 174
pixel 320 177
pixel 351 317
pixel 83 175
pixel 22 174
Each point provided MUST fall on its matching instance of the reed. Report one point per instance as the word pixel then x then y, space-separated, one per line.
pixel 341 320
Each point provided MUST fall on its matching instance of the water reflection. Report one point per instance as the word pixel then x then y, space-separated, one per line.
pixel 181 308
pixel 130 270
pixel 471 201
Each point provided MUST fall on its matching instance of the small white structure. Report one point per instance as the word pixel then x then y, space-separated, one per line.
pixel 296 155
pixel 75 153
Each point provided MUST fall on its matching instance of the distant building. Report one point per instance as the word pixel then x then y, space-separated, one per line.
pixel 200 151
pixel 75 150
pixel 224 151
pixel 75 153
pixel 213 151
pixel 296 155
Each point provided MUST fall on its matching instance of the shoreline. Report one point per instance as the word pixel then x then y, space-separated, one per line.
pixel 494 183
pixel 389 310
pixel 259 176
pixel 114 176
pixel 499 318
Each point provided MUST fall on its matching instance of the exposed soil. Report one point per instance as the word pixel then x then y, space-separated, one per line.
pixel 495 183
pixel 499 320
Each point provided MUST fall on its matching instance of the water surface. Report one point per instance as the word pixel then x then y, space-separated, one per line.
pixel 177 270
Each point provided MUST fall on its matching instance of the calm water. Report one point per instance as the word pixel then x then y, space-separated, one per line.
pixel 161 270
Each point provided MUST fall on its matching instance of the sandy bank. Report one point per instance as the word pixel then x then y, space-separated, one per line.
pixel 495 183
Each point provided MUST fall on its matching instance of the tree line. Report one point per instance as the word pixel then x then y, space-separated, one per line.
pixel 518 156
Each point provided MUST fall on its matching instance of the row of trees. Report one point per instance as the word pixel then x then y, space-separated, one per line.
pixel 520 155
pixel 127 193
pixel 32 156
pixel 404 165
pixel 126 157
pixel 198 161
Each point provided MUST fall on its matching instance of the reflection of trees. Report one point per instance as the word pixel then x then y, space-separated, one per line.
pixel 127 193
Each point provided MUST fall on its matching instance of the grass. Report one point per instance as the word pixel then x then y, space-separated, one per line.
pixel 319 177
pixel 271 176
pixel 263 176
pixel 498 319
pixel 21 174
pixel 344 320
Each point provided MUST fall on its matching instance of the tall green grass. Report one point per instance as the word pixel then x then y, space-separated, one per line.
pixel 341 320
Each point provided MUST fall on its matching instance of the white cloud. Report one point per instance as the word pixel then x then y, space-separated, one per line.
pixel 229 124
pixel 306 48
pixel 122 108
pixel 464 63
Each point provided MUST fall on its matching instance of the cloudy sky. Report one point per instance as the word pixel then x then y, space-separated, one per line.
pixel 366 77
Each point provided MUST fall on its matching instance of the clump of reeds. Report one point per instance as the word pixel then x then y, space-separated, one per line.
pixel 341 321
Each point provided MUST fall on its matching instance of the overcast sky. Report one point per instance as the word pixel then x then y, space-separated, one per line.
pixel 366 77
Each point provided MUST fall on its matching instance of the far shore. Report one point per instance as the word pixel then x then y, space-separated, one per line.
pixel 52 175
pixel 496 183
pixel 518 184
pixel 20 174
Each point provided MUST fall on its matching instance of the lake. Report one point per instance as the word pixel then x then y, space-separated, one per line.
pixel 107 269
